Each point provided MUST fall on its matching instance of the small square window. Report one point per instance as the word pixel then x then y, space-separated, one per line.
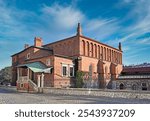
pixel 48 62
pixel 28 56
pixel 21 85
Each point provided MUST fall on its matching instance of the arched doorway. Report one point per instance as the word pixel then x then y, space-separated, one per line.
pixel 121 86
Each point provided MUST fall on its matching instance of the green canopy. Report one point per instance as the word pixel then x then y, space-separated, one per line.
pixel 35 66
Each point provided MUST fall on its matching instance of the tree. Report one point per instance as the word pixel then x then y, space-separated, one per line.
pixel 5 74
pixel 79 79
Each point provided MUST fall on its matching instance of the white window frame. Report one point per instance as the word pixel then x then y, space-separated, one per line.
pixel 71 66
pixel 65 65
pixel 28 56
pixel 48 62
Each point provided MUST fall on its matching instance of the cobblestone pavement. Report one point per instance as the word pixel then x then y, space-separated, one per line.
pixel 10 96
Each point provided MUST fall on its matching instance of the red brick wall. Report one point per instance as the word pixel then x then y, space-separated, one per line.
pixel 68 47
pixel 58 78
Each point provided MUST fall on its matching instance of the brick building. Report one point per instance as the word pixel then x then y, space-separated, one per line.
pixel 55 64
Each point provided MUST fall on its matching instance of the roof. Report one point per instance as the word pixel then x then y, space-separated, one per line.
pixel 35 66
pixel 42 48
pixel 136 70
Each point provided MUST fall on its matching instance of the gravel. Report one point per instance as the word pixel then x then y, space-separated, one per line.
pixel 11 96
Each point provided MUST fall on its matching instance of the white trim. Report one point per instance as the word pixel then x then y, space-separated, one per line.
pixel 65 65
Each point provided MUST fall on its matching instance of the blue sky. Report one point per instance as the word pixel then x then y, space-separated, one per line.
pixel 108 21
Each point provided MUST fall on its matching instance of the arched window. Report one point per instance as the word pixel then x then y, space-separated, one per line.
pixel 95 50
pixel 121 86
pixel 88 49
pixel 91 49
pixel 112 56
pixel 144 86
pixel 98 51
pixel 104 53
pixel 83 46
pixel 107 55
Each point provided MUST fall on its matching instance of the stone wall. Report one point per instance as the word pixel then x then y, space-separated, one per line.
pixel 98 92
pixel 133 84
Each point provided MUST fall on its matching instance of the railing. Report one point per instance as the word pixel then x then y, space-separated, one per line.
pixel 23 79
pixel 32 84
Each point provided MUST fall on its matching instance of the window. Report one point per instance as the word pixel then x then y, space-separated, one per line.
pixel 48 62
pixel 28 56
pixel 121 86
pixel 144 86
pixel 67 70
pixel 64 70
pixel 21 85
pixel 71 71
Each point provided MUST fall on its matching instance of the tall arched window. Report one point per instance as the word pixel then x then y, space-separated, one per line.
pixel 88 49
pixel 83 47
pixel 110 55
pixel 114 57
pixel 95 50
pixel 104 53
pixel 91 49
pixel 98 51
pixel 107 55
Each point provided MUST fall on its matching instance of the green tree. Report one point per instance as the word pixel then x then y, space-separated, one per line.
pixel 79 79
pixel 5 74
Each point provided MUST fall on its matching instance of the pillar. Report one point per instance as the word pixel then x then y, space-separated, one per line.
pixel 39 80
pixel 42 80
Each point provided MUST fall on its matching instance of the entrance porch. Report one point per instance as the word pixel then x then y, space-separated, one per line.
pixel 30 77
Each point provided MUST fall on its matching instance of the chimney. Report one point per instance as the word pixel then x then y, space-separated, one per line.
pixel 120 48
pixel 38 42
pixel 79 29
pixel 26 46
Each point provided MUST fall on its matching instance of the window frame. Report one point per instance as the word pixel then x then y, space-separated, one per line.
pixel 28 55
pixel 71 66
pixel 65 65
pixel 48 62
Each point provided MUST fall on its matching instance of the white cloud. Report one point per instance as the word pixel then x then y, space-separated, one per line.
pixel 101 28
pixel 63 16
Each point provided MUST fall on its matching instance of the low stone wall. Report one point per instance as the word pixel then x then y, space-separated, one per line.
pixel 98 92
pixel 93 92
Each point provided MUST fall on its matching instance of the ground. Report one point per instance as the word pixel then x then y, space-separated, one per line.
pixel 11 96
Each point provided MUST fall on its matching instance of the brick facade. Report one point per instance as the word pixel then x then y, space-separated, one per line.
pixel 81 51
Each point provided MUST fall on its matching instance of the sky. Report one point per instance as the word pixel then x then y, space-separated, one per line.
pixel 107 21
